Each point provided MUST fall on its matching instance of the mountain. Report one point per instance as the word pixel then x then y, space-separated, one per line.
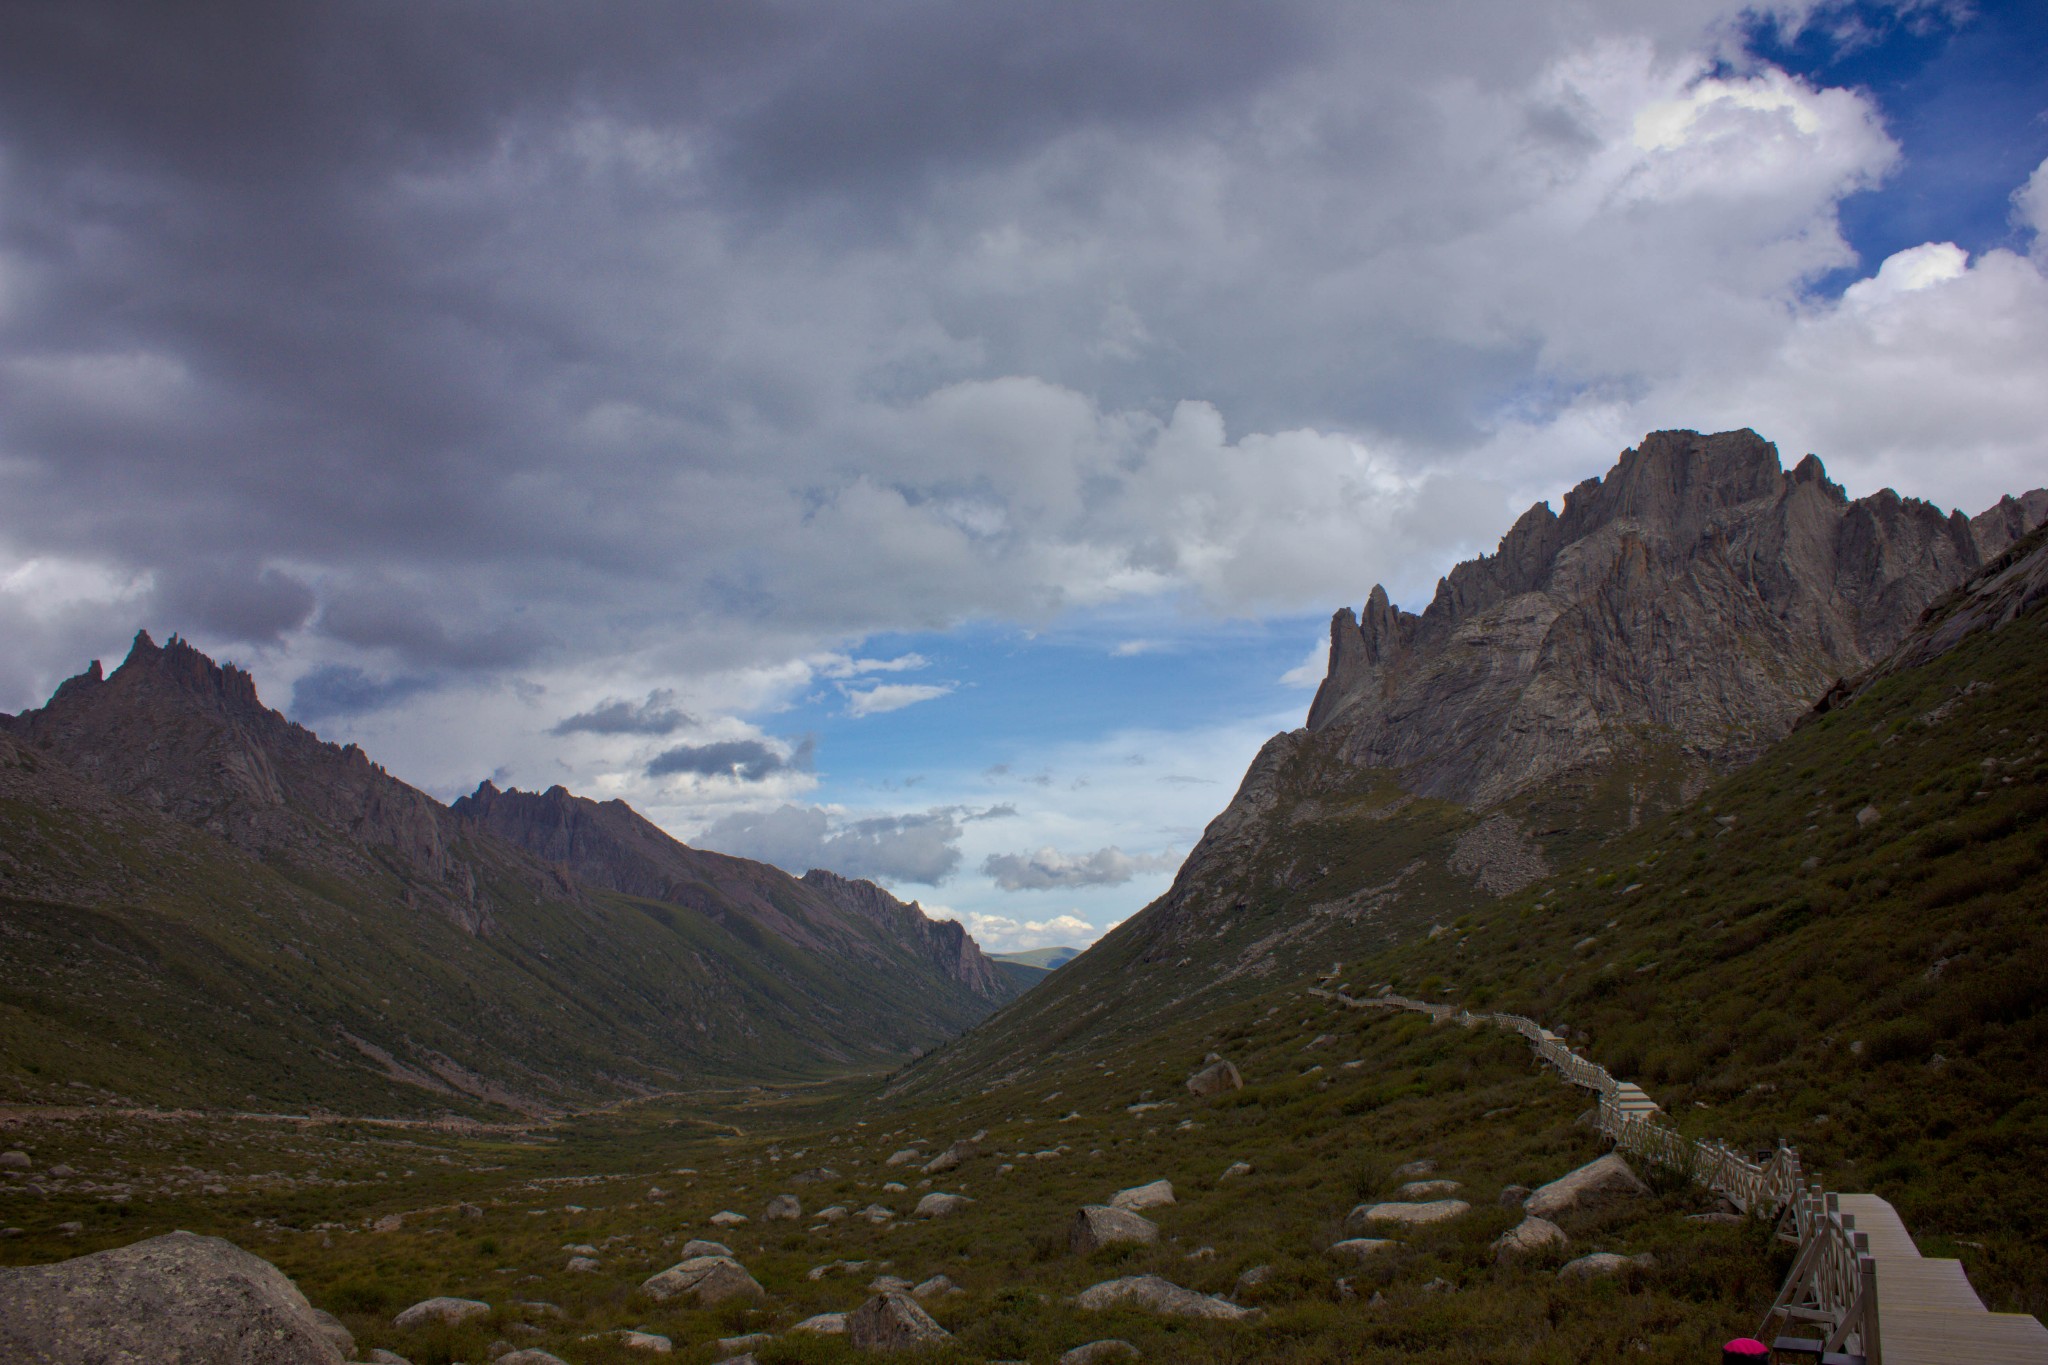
pixel 610 845
pixel 1047 958
pixel 206 903
pixel 1603 667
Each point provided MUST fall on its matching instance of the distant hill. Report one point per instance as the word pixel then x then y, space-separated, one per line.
pixel 1047 958
pixel 204 903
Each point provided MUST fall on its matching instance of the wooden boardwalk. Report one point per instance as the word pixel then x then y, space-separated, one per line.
pixel 1859 1279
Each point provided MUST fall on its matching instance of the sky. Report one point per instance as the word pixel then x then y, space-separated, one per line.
pixel 927 440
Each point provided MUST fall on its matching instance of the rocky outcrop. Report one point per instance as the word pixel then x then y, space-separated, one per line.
pixel 1597 1182
pixel 943 943
pixel 174 1297
pixel 893 1321
pixel 1699 592
pixel 1098 1225
pixel 704 1280
pixel 1154 1294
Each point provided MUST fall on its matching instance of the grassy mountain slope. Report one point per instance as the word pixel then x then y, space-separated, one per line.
pixel 1047 958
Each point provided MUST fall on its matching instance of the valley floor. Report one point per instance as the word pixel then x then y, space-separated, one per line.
pixel 370 1217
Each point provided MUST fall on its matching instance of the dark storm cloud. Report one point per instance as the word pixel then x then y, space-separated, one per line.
pixel 234 602
pixel 746 760
pixel 655 716
pixel 341 690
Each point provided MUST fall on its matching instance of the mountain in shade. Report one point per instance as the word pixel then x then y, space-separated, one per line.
pixel 1675 619
pixel 206 903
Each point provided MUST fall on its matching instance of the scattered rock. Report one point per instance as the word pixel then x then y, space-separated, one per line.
pixel 1237 1168
pixel 836 1213
pixel 531 1356
pixel 1359 1248
pixel 380 1356
pixel 726 1218
pixel 896 1187
pixel 1253 1277
pixel 817 1175
pixel 1721 1216
pixel 1603 1263
pixel 1202 1253
pixel 888 1284
pixel 783 1208
pixel 892 1322
pixel 1155 1195
pixel 1513 1196
pixel 651 1342
pixel 1435 1211
pixel 1531 1234
pixel 951 1157
pixel 585 1265
pixel 61 1171
pixel 745 1343
pixel 1415 1170
pixel 443 1310
pixel 827 1324
pixel 1439 1286
pixel 937 1205
pixel 698 1246
pixel 1095 1352
pixel 877 1213
pixel 705 1279
pixel 1156 1295
pixel 71 1229
pixel 170 1297
pixel 1099 1225
pixel 390 1222
pixel 1596 1182
pixel 1868 816
pixel 1217 1078
pixel 1427 1189
pixel 469 1213
pixel 904 1157
pixel 938 1286
pixel 16 1160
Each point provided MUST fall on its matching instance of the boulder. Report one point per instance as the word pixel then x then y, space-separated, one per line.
pixel 1217 1078
pixel 937 1205
pixel 1155 1195
pixel 705 1280
pixel 586 1265
pixel 817 1175
pixel 1099 1225
pixel 1253 1277
pixel 1513 1196
pixel 380 1356
pixel 1237 1168
pixel 1435 1211
pixel 532 1355
pixel 783 1208
pixel 892 1322
pixel 835 1214
pixel 16 1160
pixel 1596 1182
pixel 1415 1170
pixel 1359 1248
pixel 726 1218
pixel 1096 1352
pixel 698 1246
pixel 877 1213
pixel 1427 1189
pixel 653 1343
pixel 827 1324
pixel 904 1157
pixel 335 1331
pixel 938 1286
pixel 952 1156
pixel 1156 1295
pixel 888 1284
pixel 1602 1263
pixel 734 1345
pixel 442 1310
pixel 170 1297
pixel 1531 1234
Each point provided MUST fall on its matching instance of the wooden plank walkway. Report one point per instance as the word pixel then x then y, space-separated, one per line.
pixel 1927 1312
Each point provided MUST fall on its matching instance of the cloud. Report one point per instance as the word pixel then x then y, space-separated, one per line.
pixel 234 602
pixel 743 760
pixel 655 716
pixel 341 690
pixel 1002 934
pixel 892 697
pixel 1128 649
pixel 844 666
pixel 1048 868
pixel 891 849
pixel 1312 669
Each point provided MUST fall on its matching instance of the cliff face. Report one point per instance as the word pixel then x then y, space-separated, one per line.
pixel 611 845
pixel 1699 596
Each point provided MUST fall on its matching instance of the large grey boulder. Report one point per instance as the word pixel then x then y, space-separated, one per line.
pixel 1217 1078
pixel 1596 1182
pixel 174 1297
pixel 336 1331
pixel 826 1324
pixel 1157 1295
pixel 892 1321
pixel 1603 1263
pixel 1427 1189
pixel 1434 1211
pixel 783 1208
pixel 937 1205
pixel 441 1309
pixel 1099 1225
pixel 960 1151
pixel 532 1355
pixel 1531 1234
pixel 1359 1248
pixel 698 1246
pixel 704 1279
pixel 1157 1194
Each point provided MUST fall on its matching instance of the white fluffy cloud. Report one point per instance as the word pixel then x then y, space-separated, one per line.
pixel 884 697
pixel 1049 869
pixel 1003 934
